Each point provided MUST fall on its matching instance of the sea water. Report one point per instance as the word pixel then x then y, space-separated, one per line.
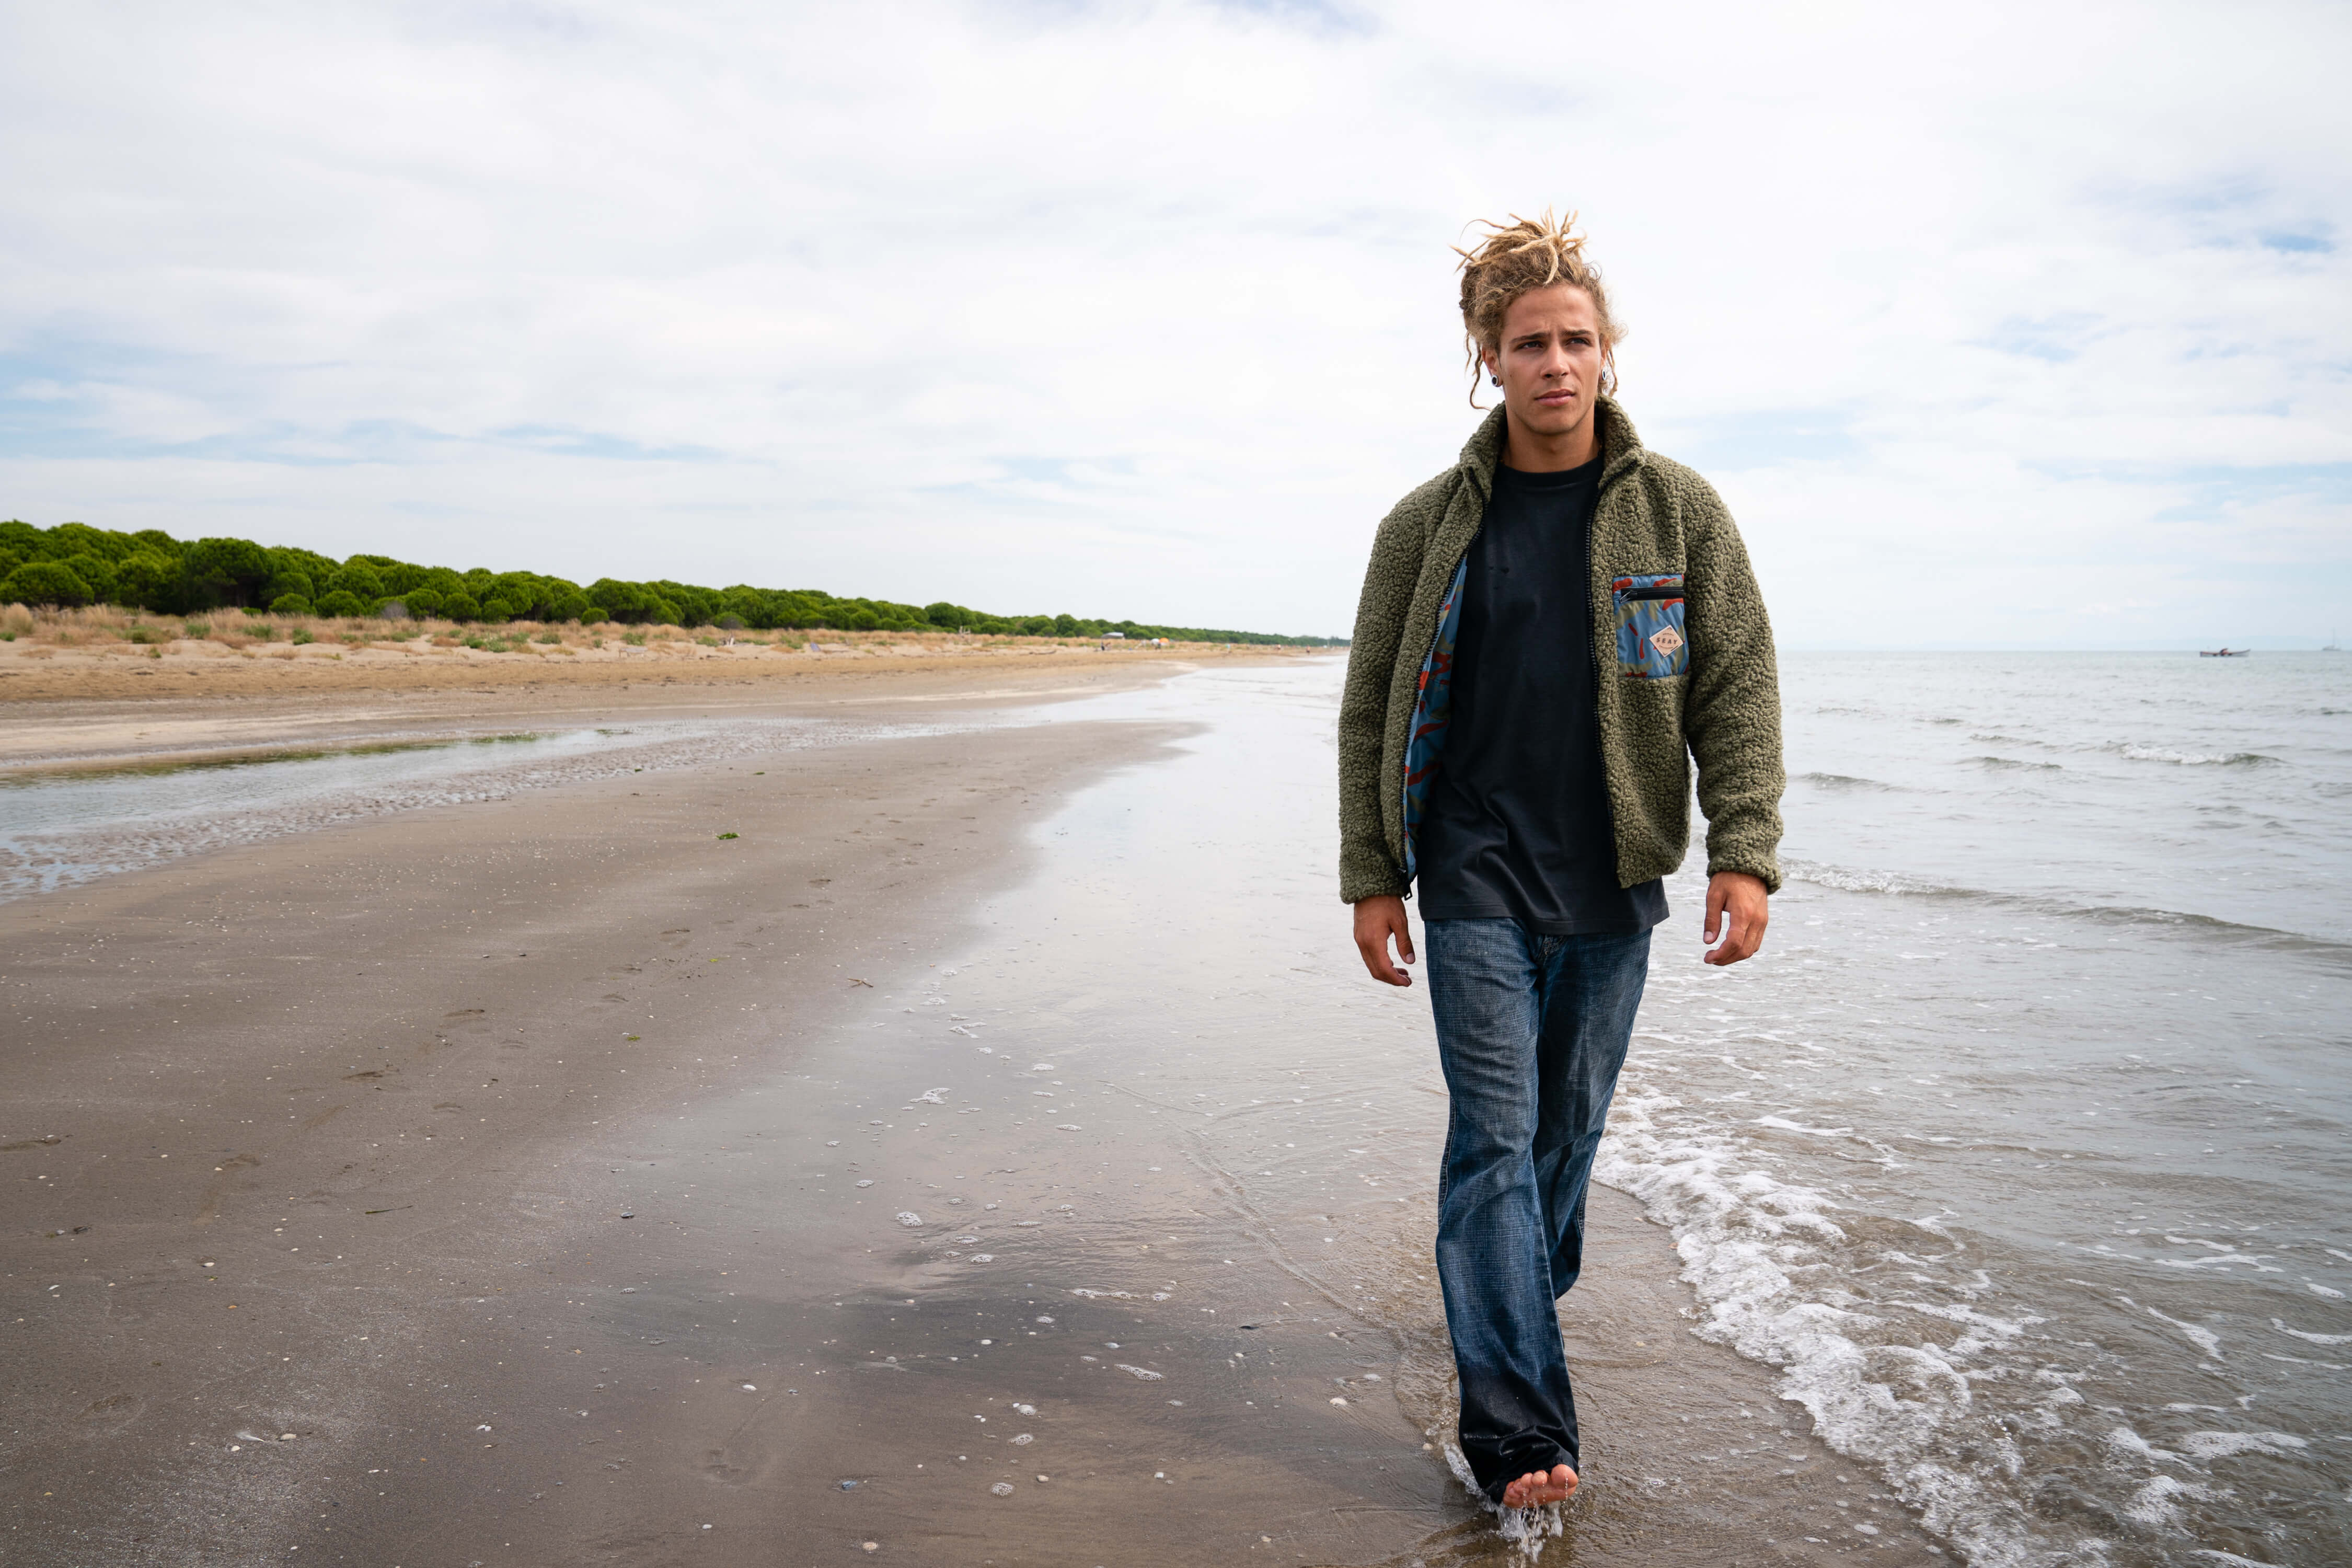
pixel 2019 1155
pixel 64 824
pixel 2024 1153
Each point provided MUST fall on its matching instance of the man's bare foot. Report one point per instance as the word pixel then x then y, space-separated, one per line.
pixel 1538 1487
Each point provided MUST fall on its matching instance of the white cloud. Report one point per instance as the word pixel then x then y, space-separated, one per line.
pixel 1146 310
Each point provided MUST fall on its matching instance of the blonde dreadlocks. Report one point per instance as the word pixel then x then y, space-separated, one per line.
pixel 1516 258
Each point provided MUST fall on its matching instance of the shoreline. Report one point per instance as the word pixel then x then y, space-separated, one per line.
pixel 691 1071
pixel 271 1040
pixel 85 720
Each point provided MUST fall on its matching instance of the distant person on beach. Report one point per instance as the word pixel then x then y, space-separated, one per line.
pixel 1550 631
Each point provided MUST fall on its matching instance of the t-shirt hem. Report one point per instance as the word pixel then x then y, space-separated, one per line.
pixel 1611 926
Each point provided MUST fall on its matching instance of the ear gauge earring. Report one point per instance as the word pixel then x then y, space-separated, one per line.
pixel 1495 379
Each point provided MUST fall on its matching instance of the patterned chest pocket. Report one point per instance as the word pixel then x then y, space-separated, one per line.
pixel 1652 641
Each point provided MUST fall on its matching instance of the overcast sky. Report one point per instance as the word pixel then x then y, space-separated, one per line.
pixel 1995 324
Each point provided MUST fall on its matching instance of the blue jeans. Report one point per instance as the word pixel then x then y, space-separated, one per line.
pixel 1531 1031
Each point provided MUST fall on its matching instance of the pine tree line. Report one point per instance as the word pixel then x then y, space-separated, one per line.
pixel 74 564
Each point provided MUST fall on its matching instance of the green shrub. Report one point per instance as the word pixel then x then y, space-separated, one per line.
pixel 44 582
pixel 289 605
pixel 302 634
pixel 593 615
pixel 196 631
pixel 227 571
pixel 150 580
pixel 359 580
pixel 97 575
pixel 341 601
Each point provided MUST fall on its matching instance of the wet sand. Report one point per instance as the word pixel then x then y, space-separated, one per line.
pixel 86 707
pixel 549 1180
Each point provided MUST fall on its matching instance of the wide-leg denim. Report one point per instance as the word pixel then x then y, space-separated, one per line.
pixel 1531 1031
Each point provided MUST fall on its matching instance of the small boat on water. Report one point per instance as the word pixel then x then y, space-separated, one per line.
pixel 2223 652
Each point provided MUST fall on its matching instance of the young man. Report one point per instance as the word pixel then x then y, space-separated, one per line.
pixel 1549 630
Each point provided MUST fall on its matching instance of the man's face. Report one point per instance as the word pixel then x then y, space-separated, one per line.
pixel 1549 359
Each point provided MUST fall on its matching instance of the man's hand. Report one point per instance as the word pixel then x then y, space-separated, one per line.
pixel 1735 911
pixel 1377 919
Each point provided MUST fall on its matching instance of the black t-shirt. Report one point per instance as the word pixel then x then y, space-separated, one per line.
pixel 1518 822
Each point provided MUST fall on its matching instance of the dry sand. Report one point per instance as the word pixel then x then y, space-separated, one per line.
pixel 101 668
pixel 480 1185
pixel 103 706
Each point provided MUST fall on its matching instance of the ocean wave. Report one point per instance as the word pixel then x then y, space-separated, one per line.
pixel 1847 781
pixel 1864 879
pixel 2011 763
pixel 2140 753
pixel 2314 1339
pixel 1963 1425
pixel 1747 1239
pixel 1846 879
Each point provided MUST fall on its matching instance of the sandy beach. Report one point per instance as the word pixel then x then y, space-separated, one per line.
pixel 78 691
pixel 549 1178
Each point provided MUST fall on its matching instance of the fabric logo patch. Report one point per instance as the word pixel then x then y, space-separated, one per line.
pixel 1665 639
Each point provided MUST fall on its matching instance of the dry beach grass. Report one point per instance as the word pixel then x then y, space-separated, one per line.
pixel 104 653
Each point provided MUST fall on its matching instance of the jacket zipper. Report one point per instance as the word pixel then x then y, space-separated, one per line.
pixel 1654 591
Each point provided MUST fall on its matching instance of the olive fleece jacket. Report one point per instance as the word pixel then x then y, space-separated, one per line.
pixel 1681 647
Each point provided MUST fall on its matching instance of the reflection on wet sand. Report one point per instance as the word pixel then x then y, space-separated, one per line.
pixel 763 1199
pixel 1107 1237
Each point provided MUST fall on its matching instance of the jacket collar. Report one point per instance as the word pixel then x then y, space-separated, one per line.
pixel 1620 447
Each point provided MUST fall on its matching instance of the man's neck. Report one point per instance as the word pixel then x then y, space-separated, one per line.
pixel 1531 453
